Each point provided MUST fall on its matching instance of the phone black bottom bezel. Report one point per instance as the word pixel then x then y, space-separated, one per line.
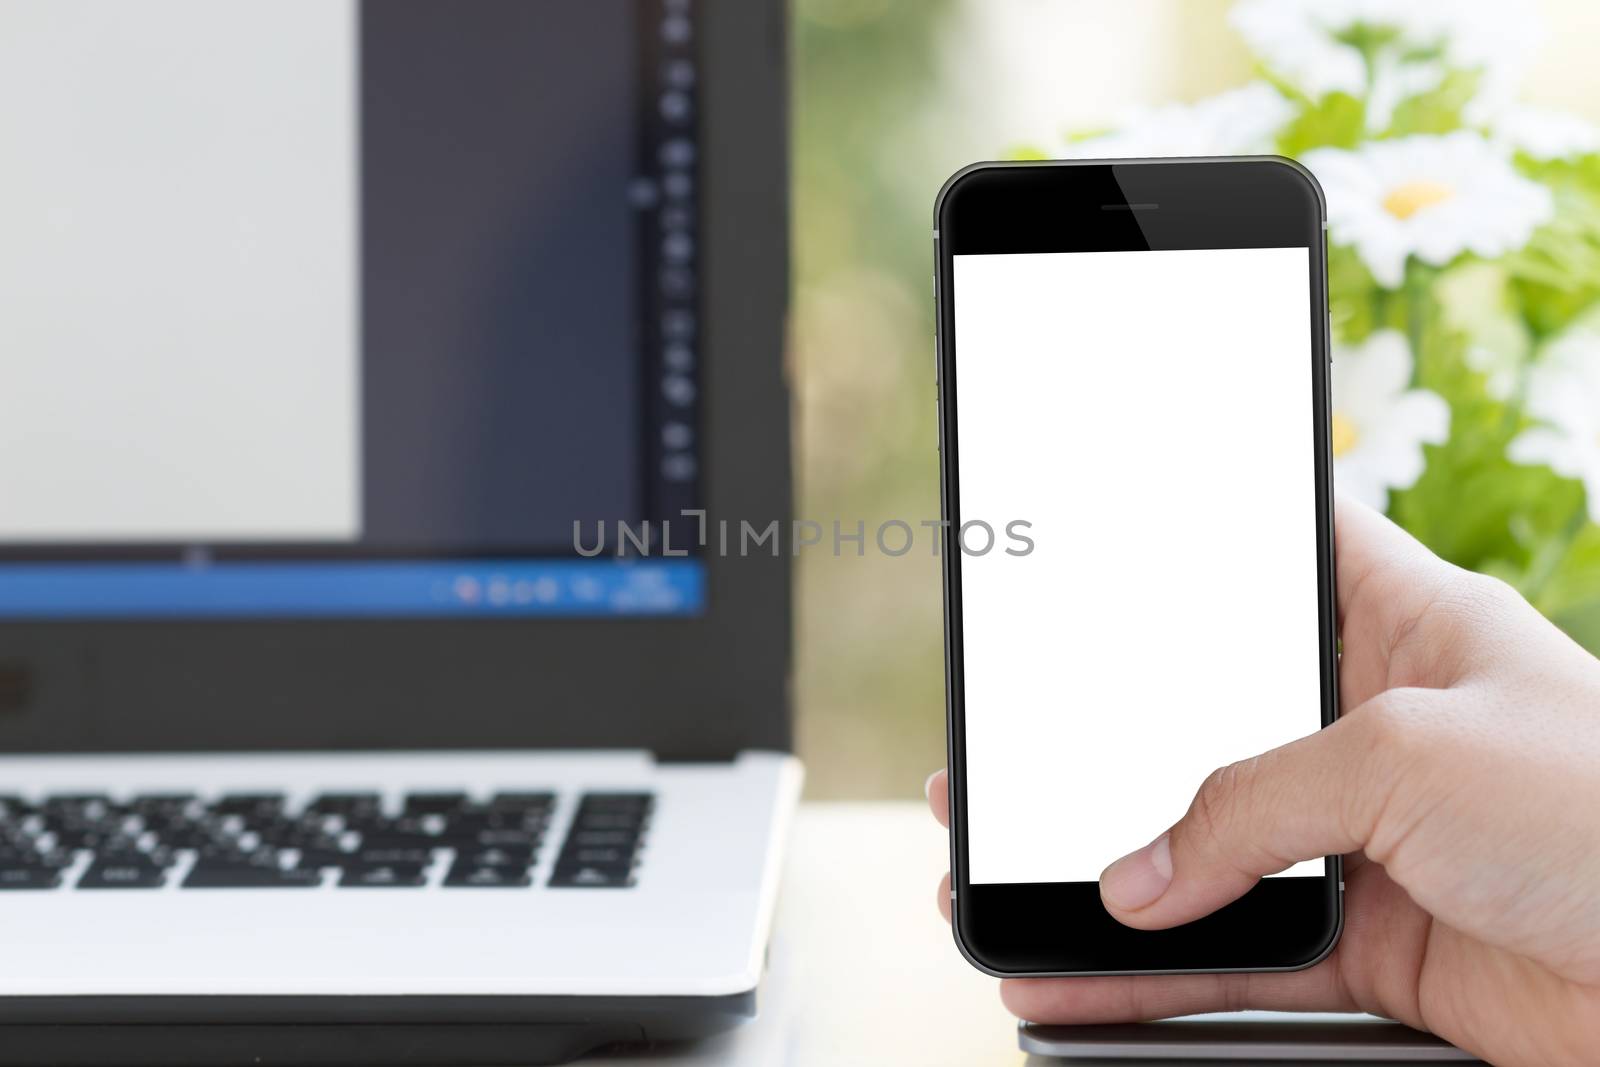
pixel 1000 929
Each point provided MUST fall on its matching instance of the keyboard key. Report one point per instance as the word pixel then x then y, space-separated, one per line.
pixel 396 839
pixel 497 857
pixel 157 857
pixel 249 805
pixel 508 839
pixel 383 857
pixel 521 801
pixel 168 804
pixel 591 876
pixel 318 858
pixel 123 875
pixel 488 876
pixel 605 820
pixel 250 876
pixel 468 827
pixel 605 857
pixel 197 836
pixel 290 833
pixel 617 801
pixel 346 804
pixel 384 876
pixel 601 838
pixel 435 803
pixel 29 878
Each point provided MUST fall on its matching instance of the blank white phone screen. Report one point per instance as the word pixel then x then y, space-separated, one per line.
pixel 1150 415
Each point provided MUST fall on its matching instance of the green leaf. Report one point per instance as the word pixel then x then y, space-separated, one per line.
pixel 1352 295
pixel 1025 152
pixel 1582 624
pixel 1338 119
pixel 1573 579
pixel 1368 38
pixel 1436 111
pixel 1556 276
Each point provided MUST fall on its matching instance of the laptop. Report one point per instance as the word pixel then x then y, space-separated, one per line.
pixel 340 721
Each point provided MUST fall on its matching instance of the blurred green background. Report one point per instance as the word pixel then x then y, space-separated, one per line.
pixel 890 97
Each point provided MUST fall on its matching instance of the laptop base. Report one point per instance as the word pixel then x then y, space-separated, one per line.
pixel 526 1031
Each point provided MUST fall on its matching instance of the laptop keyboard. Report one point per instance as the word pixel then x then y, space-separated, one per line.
pixel 348 840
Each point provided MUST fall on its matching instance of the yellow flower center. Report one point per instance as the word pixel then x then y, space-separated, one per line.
pixel 1344 435
pixel 1406 200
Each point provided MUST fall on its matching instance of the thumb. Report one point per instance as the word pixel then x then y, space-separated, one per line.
pixel 1315 797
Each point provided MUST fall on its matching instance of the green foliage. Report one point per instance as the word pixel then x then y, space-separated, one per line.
pixel 1021 153
pixel 1570 593
pixel 1472 505
pixel 1338 119
pixel 1436 111
pixel 1353 301
pixel 1556 277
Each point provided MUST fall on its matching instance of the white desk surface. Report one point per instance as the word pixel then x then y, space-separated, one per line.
pixel 862 970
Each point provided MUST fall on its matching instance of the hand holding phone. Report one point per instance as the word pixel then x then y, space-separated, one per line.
pixel 1463 775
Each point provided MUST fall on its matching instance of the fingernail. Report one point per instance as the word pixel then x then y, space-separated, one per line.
pixel 927 787
pixel 1139 878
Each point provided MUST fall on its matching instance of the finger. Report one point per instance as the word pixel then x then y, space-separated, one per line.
pixel 937 788
pixel 1311 798
pixel 1369 546
pixel 944 896
pixel 1119 1000
pixel 1386 581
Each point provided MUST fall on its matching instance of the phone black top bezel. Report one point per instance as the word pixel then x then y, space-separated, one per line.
pixel 1048 929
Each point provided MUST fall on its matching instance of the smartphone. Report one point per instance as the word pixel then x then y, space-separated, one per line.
pixel 1138 548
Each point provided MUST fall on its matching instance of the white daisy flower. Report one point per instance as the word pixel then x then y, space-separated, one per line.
pixel 1431 197
pixel 1543 133
pixel 1300 40
pixel 1317 46
pixel 1564 396
pixel 1243 121
pixel 1379 423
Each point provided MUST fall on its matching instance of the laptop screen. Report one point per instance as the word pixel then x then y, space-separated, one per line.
pixel 326 308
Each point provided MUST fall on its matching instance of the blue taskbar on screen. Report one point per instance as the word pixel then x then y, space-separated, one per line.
pixel 353 589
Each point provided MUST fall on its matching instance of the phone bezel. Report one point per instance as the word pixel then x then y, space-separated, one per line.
pixel 1060 928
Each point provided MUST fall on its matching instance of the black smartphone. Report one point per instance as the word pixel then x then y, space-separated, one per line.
pixel 1138 549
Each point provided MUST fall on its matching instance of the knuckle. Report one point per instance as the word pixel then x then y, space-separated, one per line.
pixel 1470 600
pixel 1452 612
pixel 1401 726
pixel 1215 808
pixel 1486 589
